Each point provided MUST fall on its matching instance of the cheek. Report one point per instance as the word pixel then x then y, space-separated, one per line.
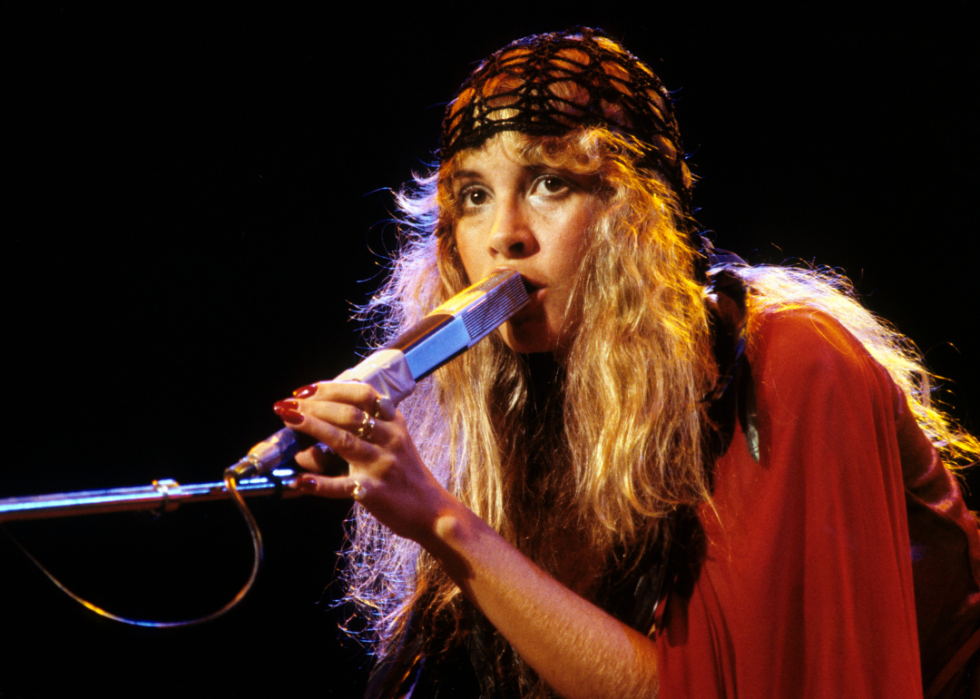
pixel 450 264
pixel 573 244
pixel 467 254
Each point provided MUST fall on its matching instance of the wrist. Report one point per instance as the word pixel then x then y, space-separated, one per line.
pixel 452 538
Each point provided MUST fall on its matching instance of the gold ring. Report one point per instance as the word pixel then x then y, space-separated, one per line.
pixel 366 428
pixel 358 491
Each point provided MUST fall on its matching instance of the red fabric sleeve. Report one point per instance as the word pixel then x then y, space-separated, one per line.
pixel 806 587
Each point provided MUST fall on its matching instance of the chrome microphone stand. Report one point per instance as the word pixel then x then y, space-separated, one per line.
pixel 163 495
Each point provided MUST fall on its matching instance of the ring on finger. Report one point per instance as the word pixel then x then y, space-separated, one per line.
pixel 358 492
pixel 383 408
pixel 366 428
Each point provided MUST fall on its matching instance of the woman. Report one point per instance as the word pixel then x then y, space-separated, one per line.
pixel 669 470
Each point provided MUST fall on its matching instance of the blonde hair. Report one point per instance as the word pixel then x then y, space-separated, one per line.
pixel 642 342
pixel 774 288
pixel 622 445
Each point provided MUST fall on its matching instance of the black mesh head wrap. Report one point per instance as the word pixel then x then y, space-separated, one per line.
pixel 549 84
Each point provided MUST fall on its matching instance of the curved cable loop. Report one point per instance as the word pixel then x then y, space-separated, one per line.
pixel 231 484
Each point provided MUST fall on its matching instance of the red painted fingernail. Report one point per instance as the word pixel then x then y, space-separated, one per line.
pixel 282 405
pixel 292 417
pixel 305 391
pixel 307 484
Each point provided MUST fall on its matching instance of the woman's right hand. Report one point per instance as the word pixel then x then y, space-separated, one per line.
pixel 386 474
pixel 576 647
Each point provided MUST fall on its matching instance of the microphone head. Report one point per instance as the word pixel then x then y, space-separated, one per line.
pixel 452 328
pixel 461 322
pixel 486 304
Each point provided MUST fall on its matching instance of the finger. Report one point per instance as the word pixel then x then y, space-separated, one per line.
pixel 383 408
pixel 328 487
pixel 323 460
pixel 352 392
pixel 348 445
pixel 348 417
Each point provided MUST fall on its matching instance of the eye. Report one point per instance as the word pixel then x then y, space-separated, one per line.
pixel 472 197
pixel 551 185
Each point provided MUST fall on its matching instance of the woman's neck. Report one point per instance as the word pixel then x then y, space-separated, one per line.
pixel 546 379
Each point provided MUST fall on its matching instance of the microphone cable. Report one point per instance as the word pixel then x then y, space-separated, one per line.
pixel 231 483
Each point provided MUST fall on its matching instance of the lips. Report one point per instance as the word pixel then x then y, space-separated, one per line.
pixel 535 295
pixel 529 286
pixel 534 291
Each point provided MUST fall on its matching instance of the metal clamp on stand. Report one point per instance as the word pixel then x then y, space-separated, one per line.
pixel 163 487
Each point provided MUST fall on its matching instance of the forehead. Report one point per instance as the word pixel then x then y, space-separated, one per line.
pixel 495 150
pixel 497 157
pixel 510 145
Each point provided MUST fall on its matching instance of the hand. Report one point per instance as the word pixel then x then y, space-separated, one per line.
pixel 386 474
pixel 593 655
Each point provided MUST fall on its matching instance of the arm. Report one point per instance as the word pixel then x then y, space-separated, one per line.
pixel 823 567
pixel 577 648
pixel 805 588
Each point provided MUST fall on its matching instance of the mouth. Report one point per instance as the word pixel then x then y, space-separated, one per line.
pixel 534 299
pixel 529 286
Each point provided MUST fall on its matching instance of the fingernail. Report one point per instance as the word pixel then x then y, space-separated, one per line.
pixel 282 405
pixel 293 417
pixel 306 484
pixel 305 391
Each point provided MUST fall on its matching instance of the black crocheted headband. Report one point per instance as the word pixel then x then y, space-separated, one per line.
pixel 549 84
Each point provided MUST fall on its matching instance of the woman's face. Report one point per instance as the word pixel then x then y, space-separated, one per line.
pixel 529 218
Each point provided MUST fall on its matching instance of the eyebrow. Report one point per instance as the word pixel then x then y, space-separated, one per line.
pixel 476 174
pixel 465 174
pixel 585 182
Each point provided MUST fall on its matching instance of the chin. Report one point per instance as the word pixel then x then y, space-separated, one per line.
pixel 526 340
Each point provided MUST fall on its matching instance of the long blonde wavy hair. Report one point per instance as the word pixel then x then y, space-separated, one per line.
pixel 611 461
pixel 621 443
pixel 594 470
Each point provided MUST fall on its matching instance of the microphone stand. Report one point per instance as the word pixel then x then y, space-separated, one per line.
pixel 163 495
pixel 393 371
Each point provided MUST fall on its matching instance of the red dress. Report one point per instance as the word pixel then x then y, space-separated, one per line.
pixel 842 563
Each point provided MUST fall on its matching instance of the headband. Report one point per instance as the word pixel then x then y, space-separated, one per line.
pixel 550 84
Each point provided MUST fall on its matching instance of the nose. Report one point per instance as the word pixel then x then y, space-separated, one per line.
pixel 511 234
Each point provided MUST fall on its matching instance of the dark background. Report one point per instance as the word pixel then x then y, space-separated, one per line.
pixel 193 204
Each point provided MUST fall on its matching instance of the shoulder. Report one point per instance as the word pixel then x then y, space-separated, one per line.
pixel 806 334
pixel 809 344
pixel 806 367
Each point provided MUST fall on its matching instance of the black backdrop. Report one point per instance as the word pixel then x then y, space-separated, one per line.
pixel 193 205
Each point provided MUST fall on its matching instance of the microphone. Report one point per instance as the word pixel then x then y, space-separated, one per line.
pixel 393 371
